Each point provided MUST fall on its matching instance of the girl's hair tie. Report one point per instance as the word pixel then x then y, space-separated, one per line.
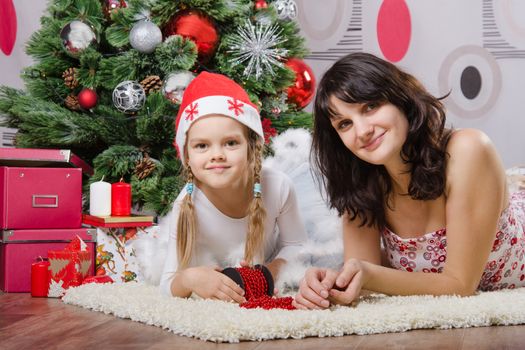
pixel 189 188
pixel 257 190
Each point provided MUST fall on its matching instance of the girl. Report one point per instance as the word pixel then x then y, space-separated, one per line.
pixel 229 199
pixel 437 198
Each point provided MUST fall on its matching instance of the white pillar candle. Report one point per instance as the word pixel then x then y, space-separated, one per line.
pixel 100 198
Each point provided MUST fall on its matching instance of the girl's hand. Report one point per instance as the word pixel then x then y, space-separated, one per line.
pixel 313 289
pixel 349 283
pixel 209 283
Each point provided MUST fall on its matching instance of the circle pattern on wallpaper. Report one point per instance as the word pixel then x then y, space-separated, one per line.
pixel 394 29
pixel 470 82
pixel 322 27
pixel 473 78
pixel 509 20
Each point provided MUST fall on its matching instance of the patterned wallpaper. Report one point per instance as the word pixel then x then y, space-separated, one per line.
pixel 474 49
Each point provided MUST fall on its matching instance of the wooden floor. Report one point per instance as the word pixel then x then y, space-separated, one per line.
pixel 41 323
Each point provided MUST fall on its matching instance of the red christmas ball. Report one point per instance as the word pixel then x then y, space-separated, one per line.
pixel 261 4
pixel 303 88
pixel 196 26
pixel 112 6
pixel 87 98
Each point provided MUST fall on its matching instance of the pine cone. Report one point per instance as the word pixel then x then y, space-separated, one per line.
pixel 144 167
pixel 151 83
pixel 70 79
pixel 71 102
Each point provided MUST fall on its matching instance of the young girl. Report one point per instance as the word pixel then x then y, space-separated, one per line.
pixel 436 197
pixel 229 201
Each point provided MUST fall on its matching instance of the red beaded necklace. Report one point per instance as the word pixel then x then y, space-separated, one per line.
pixel 257 283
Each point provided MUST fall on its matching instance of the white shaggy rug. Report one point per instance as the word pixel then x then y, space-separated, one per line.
pixel 227 322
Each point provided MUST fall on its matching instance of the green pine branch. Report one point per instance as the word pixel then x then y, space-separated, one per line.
pixel 155 124
pixel 115 69
pixel 117 162
pixel 161 195
pixel 176 53
pixel 87 72
pixel 297 119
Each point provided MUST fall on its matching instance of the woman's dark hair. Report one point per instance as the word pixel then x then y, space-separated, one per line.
pixel 354 186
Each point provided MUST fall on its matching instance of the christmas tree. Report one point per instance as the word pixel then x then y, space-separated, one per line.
pixel 109 77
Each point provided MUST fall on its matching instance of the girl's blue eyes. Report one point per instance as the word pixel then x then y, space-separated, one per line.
pixel 202 146
pixel 232 143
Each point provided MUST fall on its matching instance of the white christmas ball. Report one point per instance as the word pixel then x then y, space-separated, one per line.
pixel 145 36
pixel 129 96
pixel 175 84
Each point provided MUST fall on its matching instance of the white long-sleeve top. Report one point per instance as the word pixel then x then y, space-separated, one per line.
pixel 220 238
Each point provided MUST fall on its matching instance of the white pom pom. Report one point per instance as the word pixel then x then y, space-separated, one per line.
pixel 151 249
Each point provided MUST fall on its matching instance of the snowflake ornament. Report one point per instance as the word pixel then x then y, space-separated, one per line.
pixel 257 45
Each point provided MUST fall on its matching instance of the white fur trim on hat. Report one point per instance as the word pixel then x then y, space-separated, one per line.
pixel 241 111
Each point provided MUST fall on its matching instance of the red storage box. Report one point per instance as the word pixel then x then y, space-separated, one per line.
pixel 20 248
pixel 40 198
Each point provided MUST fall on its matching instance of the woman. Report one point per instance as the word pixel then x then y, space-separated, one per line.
pixel 437 198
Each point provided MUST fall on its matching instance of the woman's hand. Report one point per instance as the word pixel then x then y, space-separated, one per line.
pixel 313 289
pixel 209 283
pixel 349 282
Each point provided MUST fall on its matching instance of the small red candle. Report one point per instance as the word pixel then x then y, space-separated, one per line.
pixel 40 278
pixel 120 199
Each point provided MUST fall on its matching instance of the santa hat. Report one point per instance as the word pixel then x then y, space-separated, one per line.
pixel 209 94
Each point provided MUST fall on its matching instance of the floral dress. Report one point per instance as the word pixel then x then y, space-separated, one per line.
pixel 505 267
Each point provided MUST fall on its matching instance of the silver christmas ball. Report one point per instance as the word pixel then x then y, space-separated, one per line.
pixel 77 36
pixel 175 84
pixel 145 36
pixel 286 9
pixel 129 96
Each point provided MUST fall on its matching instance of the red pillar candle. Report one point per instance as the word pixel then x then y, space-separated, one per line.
pixel 40 278
pixel 120 199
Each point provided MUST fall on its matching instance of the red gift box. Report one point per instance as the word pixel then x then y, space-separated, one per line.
pixel 20 248
pixel 69 267
pixel 40 198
